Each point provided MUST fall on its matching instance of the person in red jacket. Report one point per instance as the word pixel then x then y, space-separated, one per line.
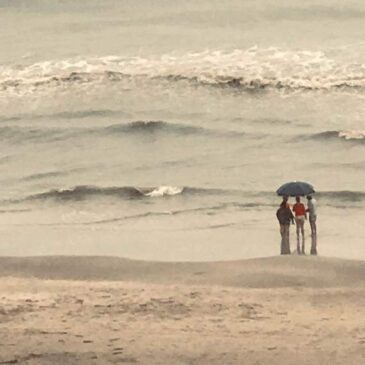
pixel 300 217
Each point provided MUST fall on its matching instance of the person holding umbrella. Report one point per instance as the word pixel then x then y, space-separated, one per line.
pixel 295 189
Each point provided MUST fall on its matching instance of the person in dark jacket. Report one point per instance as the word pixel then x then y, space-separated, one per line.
pixel 285 217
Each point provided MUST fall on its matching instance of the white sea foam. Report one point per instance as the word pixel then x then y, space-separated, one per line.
pixel 353 134
pixel 252 68
pixel 164 190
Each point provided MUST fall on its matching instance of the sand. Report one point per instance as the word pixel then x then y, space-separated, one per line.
pixel 99 310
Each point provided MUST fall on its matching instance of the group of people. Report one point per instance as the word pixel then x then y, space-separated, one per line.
pixel 301 214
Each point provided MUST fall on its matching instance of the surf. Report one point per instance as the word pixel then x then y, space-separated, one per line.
pixel 251 69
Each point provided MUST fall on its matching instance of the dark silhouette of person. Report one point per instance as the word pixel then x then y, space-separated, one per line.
pixel 285 217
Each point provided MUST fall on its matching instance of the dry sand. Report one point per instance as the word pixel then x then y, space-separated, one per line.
pixel 93 310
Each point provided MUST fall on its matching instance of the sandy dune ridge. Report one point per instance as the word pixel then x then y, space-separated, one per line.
pixel 100 310
pixel 271 272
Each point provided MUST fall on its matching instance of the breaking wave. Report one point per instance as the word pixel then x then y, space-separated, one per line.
pixel 253 68
pixel 350 135
pixel 227 198
pixel 85 192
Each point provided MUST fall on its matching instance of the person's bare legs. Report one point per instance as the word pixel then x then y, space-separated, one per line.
pixel 300 231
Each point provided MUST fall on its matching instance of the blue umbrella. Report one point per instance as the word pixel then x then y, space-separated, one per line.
pixel 295 188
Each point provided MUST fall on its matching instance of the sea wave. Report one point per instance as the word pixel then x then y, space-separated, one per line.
pixel 154 127
pixel 343 195
pixel 69 114
pixel 18 134
pixel 164 190
pixel 226 198
pixel 352 135
pixel 148 127
pixel 84 192
pixel 348 135
pixel 254 68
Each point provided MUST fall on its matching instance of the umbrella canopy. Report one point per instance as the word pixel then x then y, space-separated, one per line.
pixel 295 188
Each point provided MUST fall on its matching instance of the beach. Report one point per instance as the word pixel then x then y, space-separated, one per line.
pixel 104 310
pixel 141 147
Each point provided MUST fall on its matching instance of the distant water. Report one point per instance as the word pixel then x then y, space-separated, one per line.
pixel 161 129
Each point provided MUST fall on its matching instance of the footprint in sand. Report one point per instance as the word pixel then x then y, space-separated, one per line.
pixel 272 348
pixel 13 361
pixel 127 359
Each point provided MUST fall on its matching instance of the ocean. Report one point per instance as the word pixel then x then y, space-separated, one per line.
pixel 160 130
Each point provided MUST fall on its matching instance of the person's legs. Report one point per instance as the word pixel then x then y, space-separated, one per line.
pixel 282 231
pixel 313 225
pixel 302 231
pixel 299 221
pixel 287 241
pixel 297 225
pixel 285 246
